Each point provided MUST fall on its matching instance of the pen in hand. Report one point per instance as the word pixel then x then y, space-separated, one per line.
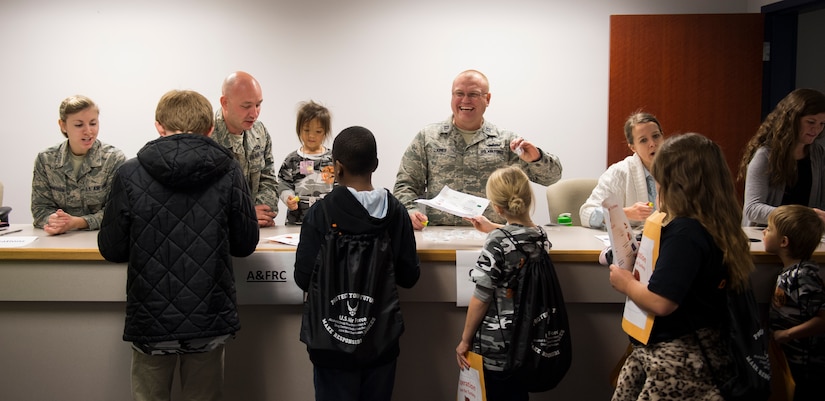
pixel 11 232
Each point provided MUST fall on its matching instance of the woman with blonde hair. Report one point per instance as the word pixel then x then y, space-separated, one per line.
pixel 71 180
pixel 702 251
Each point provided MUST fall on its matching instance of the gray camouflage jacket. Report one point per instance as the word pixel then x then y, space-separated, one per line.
pixel 54 185
pixel 496 263
pixel 255 159
pixel 438 156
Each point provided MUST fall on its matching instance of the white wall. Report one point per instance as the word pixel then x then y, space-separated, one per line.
pixel 386 65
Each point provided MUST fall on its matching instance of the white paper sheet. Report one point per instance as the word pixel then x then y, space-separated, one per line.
pixel 622 239
pixel 289 239
pixel 16 242
pixel 456 203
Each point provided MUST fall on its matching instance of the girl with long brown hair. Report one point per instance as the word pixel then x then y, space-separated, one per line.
pixel 701 245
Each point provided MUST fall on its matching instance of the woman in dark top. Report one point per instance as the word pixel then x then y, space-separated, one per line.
pixel 783 163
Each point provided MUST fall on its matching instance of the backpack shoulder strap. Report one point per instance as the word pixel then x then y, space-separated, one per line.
pixel 515 243
pixel 512 239
pixel 543 234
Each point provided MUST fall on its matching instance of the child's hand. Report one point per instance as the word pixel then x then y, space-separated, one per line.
pixel 292 203
pixel 782 336
pixel 461 355
pixel 481 223
pixel 619 278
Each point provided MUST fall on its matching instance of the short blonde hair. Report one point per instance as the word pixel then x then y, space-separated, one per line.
pixel 185 111
pixel 509 189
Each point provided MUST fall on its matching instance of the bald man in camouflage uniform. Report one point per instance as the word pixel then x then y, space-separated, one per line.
pixel 462 152
pixel 237 128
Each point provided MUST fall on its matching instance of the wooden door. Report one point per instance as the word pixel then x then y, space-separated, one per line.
pixel 695 73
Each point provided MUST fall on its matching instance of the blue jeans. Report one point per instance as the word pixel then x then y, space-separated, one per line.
pixel 371 384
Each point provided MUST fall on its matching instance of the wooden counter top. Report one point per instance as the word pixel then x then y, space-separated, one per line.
pixel 435 244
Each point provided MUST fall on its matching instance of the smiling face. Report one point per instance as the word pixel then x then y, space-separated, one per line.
pixel 470 98
pixel 312 136
pixel 81 128
pixel 646 140
pixel 810 127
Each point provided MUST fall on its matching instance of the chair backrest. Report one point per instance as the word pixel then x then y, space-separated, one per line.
pixel 567 196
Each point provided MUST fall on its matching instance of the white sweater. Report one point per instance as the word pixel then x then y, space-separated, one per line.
pixel 626 180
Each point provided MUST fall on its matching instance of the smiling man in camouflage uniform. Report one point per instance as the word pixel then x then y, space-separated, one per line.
pixel 462 152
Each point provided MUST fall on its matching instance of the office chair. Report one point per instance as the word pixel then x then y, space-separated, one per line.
pixel 567 196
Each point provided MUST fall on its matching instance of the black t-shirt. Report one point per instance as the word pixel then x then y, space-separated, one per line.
pixel 800 194
pixel 688 272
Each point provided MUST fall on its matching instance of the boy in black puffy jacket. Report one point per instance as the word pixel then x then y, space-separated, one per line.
pixel 177 213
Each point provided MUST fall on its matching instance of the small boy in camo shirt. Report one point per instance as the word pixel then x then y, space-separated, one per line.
pixel 797 314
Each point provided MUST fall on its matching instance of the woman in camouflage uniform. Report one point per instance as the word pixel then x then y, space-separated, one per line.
pixel 72 179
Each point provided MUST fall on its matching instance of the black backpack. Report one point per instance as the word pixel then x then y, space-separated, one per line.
pixel 745 339
pixel 540 350
pixel 352 303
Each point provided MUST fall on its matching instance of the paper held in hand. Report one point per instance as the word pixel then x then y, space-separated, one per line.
pixel 471 380
pixel 636 322
pixel 622 241
pixel 456 203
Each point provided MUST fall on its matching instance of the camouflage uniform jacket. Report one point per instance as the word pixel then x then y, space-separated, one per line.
pixel 498 259
pixel 798 297
pixel 438 156
pixel 255 159
pixel 55 186
pixel 310 177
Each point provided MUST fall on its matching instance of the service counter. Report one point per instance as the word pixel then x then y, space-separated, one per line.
pixel 62 312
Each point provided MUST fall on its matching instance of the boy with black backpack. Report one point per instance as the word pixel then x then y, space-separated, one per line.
pixel 356 244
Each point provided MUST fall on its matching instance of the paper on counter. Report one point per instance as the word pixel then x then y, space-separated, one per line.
pixel 289 239
pixel 604 238
pixel 456 203
pixel 16 242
